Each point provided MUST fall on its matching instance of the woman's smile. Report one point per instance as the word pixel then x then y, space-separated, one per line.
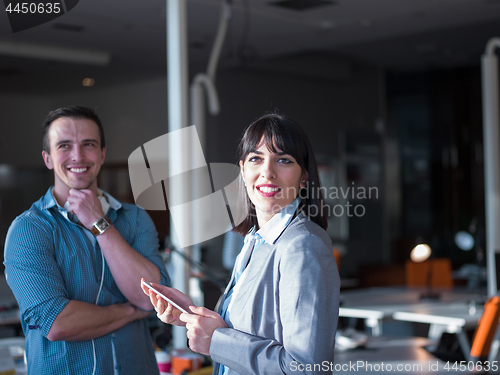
pixel 268 190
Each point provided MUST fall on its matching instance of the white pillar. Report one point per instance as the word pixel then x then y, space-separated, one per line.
pixel 491 139
pixel 177 77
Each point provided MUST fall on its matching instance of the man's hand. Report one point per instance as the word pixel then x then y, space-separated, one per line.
pixel 126 265
pixel 85 204
pixel 139 313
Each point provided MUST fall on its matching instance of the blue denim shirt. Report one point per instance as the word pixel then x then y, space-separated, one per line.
pixel 50 260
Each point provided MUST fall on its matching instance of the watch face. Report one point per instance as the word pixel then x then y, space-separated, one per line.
pixel 102 224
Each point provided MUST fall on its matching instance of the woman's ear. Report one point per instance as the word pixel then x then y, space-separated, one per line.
pixel 305 178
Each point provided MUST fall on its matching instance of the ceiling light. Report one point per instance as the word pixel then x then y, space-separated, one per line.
pixel 88 82
pixel 46 52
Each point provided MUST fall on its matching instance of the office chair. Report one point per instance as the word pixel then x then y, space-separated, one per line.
pixel 486 330
pixel 439 270
pixel 337 255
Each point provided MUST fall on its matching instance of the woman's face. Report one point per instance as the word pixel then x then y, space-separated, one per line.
pixel 272 180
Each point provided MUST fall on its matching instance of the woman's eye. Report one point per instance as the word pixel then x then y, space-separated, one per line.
pixel 254 159
pixel 285 161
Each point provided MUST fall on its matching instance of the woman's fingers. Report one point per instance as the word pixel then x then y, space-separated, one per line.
pixel 200 328
pixel 203 311
pixel 164 310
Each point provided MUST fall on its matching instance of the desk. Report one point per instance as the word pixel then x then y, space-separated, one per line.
pixel 16 346
pixel 452 318
pixel 376 304
pixel 396 355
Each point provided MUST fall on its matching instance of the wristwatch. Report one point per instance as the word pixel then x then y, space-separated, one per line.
pixel 100 226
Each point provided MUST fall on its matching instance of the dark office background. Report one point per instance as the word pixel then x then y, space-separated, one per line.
pixel 408 123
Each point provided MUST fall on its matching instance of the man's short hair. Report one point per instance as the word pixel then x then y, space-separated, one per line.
pixel 73 112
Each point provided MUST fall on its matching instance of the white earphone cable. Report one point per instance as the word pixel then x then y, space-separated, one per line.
pixel 97 300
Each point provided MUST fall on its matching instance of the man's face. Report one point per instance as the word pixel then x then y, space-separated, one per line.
pixel 75 155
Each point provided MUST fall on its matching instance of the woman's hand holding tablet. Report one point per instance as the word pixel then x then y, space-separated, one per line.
pixel 169 303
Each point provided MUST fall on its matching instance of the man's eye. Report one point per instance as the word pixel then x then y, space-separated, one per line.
pixel 63 146
pixel 89 144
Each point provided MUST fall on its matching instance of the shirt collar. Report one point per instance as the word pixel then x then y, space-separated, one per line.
pixel 113 203
pixel 274 227
pixel 49 200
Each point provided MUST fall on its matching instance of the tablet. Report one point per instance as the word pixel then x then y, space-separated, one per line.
pixel 170 299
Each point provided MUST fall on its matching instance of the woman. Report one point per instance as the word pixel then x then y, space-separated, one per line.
pixel 279 312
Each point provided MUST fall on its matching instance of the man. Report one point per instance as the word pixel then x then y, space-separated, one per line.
pixel 75 259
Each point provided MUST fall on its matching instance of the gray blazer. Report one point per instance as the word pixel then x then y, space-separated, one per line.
pixel 285 314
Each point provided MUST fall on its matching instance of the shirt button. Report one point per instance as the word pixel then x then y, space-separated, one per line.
pixel 113 335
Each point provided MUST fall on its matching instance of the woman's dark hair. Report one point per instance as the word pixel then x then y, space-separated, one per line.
pixel 74 113
pixel 281 132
